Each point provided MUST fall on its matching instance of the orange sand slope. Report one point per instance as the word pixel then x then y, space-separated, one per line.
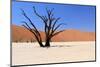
pixel 20 34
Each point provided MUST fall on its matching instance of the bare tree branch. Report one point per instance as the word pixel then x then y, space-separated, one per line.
pixel 38 34
pixel 55 29
pixel 26 15
pixel 57 32
pixel 31 31
pixel 40 42
pixel 26 27
pixel 29 19
pixel 37 13
pixel 49 13
pixel 44 19
pixel 29 28
pixel 56 20
pixel 26 24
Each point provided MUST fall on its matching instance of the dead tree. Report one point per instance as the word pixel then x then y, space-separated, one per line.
pixel 50 29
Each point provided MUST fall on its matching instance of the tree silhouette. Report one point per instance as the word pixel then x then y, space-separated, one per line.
pixel 50 29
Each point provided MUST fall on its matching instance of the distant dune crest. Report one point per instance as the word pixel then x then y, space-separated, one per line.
pixel 20 34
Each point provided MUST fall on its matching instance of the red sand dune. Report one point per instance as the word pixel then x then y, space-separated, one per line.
pixel 20 34
pixel 74 35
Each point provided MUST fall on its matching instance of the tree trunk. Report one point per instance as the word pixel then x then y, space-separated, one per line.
pixel 47 44
pixel 41 45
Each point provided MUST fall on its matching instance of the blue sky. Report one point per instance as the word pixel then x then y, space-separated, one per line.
pixel 75 16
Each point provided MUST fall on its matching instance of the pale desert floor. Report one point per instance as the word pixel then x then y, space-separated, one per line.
pixel 31 53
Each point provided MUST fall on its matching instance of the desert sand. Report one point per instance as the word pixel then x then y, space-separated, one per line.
pixel 31 53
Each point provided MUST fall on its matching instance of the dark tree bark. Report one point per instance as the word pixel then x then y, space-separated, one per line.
pixel 50 29
pixel 47 42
